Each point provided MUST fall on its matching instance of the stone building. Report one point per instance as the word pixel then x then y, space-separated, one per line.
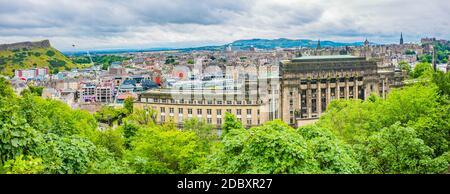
pixel 309 84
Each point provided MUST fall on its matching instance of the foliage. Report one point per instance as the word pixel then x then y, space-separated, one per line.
pixel 128 104
pixel 112 140
pixel 203 130
pixel 108 114
pixel 158 150
pixel 50 53
pixel 230 122
pixel 422 69
pixel 21 165
pixel 397 149
pixel 405 66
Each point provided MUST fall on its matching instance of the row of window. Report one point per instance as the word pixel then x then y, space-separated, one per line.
pixel 209 102
pixel 208 111
pixel 332 80
pixel 218 120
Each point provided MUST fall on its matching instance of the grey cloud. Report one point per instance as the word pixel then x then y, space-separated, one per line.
pixel 152 22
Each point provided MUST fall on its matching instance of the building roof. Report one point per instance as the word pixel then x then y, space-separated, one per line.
pixel 326 57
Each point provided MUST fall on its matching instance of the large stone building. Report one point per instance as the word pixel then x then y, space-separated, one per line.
pixel 309 84
pixel 253 101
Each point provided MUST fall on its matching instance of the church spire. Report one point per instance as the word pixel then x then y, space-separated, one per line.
pixel 401 37
pixel 366 42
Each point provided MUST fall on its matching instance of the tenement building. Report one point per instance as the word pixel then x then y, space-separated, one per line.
pixel 251 103
pixel 310 83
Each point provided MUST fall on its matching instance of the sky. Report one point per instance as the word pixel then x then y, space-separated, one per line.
pixel 103 24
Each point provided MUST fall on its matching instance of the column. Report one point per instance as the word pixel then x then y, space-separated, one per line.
pixel 319 98
pixel 308 100
pixel 346 93
pixel 328 92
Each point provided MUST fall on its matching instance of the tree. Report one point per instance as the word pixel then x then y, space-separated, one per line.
pixel 24 165
pixel 442 80
pixel 397 149
pixel 276 148
pixel 129 130
pixel 205 132
pixel 405 67
pixel 230 122
pixel 112 140
pixel 422 69
pixel 128 104
pixel 157 150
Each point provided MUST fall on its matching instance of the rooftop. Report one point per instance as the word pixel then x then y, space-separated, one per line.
pixel 326 57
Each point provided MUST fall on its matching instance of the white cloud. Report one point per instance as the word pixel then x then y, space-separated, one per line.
pixel 178 23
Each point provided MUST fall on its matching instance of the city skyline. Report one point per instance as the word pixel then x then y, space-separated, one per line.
pixel 151 24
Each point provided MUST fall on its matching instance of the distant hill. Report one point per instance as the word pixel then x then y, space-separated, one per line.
pixel 287 43
pixel 236 45
pixel 26 55
pixel 274 43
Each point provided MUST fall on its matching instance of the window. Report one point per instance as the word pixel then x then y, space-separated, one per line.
pixel 229 102
pixel 163 110
pixel 182 101
pixel 219 102
pixel 259 122
pixel 249 121
pixel 239 102
pixel 209 101
pixel 229 110
pixel 171 110
pixel 164 100
pixel 199 111
pixel 190 111
pixel 249 111
pixel 238 111
pixel 219 121
pixel 219 112
pixel 163 118
pixel 208 111
pixel 180 110
pixel 209 120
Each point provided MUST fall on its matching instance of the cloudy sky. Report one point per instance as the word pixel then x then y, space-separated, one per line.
pixel 97 24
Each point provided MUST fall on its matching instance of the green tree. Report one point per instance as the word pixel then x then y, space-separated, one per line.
pixel 422 69
pixel 24 165
pixel 397 149
pixel 112 140
pixel 230 122
pixel 157 150
pixel 405 67
pixel 128 104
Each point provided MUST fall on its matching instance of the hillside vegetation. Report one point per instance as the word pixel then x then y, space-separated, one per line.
pixel 24 58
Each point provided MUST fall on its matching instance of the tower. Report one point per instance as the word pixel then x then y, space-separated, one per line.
pixel 318 44
pixel 366 42
pixel 401 38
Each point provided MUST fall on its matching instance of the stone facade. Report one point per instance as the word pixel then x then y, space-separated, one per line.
pixel 309 84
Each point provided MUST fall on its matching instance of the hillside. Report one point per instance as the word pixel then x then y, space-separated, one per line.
pixel 32 54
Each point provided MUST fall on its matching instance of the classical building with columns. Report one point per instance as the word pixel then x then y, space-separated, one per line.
pixel 310 83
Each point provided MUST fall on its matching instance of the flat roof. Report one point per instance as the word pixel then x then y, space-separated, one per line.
pixel 326 57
